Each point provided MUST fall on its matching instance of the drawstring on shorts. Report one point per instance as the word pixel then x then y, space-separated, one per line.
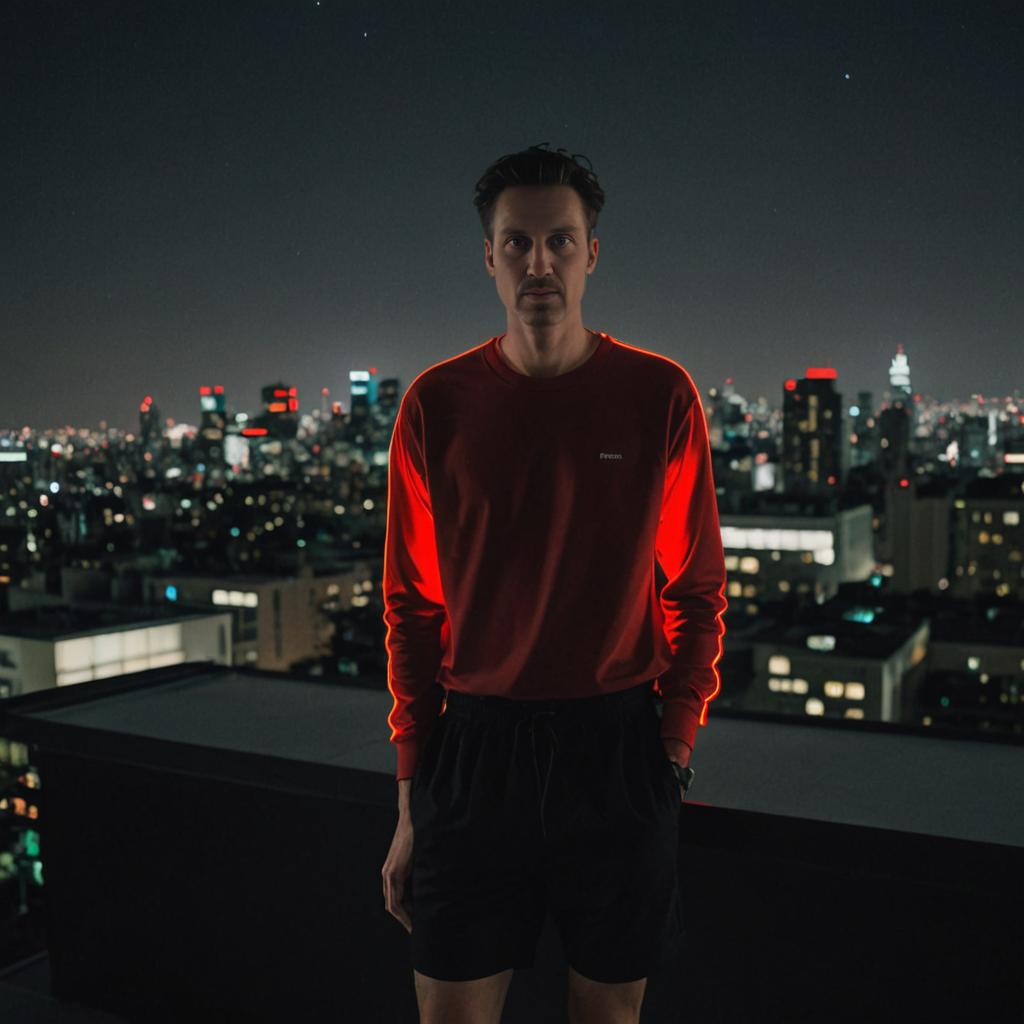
pixel 500 709
pixel 532 719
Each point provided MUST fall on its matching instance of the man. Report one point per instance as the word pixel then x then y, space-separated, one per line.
pixel 533 482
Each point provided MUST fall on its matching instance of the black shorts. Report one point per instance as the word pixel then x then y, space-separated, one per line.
pixel 523 807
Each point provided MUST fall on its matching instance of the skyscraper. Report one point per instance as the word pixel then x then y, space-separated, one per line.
pixel 899 376
pixel 812 433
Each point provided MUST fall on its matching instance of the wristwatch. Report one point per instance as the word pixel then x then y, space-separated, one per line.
pixel 684 773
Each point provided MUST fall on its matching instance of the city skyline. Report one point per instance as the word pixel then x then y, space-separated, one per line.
pixel 204 197
pixel 318 404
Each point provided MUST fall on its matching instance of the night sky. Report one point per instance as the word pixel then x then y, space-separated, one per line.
pixel 236 193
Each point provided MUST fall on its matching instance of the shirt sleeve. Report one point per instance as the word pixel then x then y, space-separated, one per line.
pixel 689 550
pixel 414 607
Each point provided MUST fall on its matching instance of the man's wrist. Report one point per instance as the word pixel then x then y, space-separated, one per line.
pixel 677 750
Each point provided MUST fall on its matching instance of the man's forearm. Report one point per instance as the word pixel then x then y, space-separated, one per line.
pixel 404 789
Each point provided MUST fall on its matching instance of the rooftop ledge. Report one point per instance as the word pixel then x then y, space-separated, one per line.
pixel 212 841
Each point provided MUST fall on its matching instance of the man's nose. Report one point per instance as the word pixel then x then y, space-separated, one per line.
pixel 540 262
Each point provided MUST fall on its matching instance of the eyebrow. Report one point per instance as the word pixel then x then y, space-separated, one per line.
pixel 520 231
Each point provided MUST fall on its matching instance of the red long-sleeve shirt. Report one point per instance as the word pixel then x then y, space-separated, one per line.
pixel 524 516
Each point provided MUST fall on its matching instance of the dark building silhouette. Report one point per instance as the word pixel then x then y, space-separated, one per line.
pixel 812 433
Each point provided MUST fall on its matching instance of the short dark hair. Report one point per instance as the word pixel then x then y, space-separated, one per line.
pixel 538 166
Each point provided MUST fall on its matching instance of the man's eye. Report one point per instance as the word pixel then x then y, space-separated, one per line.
pixel 517 239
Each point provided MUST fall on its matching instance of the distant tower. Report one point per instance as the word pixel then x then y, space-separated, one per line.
pixel 899 376
pixel 388 397
pixel 864 436
pixel 362 393
pixel 812 433
pixel 280 416
pixel 212 425
pixel 149 422
pixel 894 441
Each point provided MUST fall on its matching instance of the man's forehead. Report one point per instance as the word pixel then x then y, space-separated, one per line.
pixel 517 213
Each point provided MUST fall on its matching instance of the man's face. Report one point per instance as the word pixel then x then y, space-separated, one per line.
pixel 540 241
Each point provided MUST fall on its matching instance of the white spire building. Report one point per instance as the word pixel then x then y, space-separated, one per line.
pixel 899 377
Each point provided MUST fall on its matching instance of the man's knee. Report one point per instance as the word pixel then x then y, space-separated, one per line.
pixel 597 1002
pixel 462 1002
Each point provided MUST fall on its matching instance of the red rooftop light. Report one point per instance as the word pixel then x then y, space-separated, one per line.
pixel 791 384
pixel 821 373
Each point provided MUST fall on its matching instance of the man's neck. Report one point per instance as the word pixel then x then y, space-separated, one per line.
pixel 531 366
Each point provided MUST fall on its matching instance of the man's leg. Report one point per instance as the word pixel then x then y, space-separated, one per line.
pixel 595 1002
pixel 462 1002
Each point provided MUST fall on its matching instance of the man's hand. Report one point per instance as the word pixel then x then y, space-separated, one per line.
pixel 677 751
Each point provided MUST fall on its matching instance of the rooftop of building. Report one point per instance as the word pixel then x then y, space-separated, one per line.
pixel 847 841
pixel 61 621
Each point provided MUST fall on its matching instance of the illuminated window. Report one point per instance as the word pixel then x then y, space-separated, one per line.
pixel 983 537
pixel 1011 519
pixel 734 588
pixel 854 691
pixel 853 713
pixel 749 564
pixel 799 685
pixel 731 563
pixel 103 655
pixel 236 598
pixel 750 590
pixel 833 688
pixel 779 664
pixel 821 642
pixel 760 539
pixel 973 662
pixel 813 706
